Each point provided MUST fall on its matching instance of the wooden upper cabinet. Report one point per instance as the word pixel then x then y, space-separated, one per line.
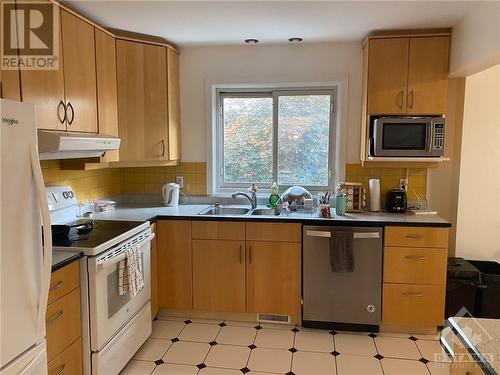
pixel 407 75
pixel 174 105
pixel 142 101
pixel 428 75
pixel 45 88
pixel 78 50
pixel 107 97
pixel 387 75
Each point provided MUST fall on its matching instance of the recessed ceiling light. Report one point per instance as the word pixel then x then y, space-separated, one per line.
pixel 295 40
pixel 251 41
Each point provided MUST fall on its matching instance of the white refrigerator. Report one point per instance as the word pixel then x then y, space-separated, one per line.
pixel 25 244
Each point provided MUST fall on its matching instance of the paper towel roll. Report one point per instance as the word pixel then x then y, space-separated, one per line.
pixel 374 185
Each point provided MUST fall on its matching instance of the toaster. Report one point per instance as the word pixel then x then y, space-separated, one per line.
pixel 396 201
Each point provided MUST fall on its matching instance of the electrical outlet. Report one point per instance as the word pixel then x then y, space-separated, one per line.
pixel 403 184
pixel 179 180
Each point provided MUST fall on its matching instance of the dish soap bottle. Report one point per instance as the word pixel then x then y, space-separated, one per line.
pixel 274 197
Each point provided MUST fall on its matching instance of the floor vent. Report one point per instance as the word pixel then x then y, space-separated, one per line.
pixel 274 318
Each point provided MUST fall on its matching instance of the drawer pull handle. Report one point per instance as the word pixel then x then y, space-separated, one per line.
pixel 412 294
pixel 415 236
pixel 57 286
pixel 250 255
pixel 56 317
pixel 60 370
pixel 241 255
pixel 416 257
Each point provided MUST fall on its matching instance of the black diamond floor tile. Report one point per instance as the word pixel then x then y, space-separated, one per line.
pixel 424 361
pixel 290 373
pixel 201 365
pixel 295 330
pixel 159 362
pixel 333 333
pixel 222 324
pixel 292 350
pixel 335 353
pixel 252 347
pixel 245 370
pixel 258 327
pixel 175 339
pixel 413 338
pixel 188 321
pixel 372 335
pixel 212 343
pixel 379 357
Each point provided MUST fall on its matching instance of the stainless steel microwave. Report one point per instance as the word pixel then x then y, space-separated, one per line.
pixel 399 136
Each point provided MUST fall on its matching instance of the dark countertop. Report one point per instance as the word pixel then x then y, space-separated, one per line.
pixel 61 258
pixel 153 212
pixel 481 338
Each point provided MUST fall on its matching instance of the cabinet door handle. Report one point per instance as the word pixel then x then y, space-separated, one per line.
pixel 401 98
pixel 61 105
pixel 250 255
pixel 416 257
pixel 411 97
pixel 412 294
pixel 60 370
pixel 56 317
pixel 241 255
pixel 57 286
pixel 162 147
pixel 70 121
pixel 415 236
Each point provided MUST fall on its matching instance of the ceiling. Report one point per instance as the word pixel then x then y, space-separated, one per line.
pixel 230 22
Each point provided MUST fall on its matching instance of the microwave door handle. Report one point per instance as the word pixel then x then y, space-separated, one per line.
pixel 430 137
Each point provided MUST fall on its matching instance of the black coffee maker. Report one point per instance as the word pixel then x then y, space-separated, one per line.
pixel 396 201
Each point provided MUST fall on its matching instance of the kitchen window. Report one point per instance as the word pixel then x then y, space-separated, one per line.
pixel 285 136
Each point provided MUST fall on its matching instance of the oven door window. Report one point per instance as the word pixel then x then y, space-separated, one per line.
pixel 404 136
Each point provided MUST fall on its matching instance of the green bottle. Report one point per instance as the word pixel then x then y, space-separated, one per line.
pixel 274 197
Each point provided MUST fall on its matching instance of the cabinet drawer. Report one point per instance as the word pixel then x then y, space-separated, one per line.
pixel 69 362
pixel 413 304
pixel 415 265
pixel 63 323
pixel 416 237
pixel 218 230
pixel 64 281
pixel 282 232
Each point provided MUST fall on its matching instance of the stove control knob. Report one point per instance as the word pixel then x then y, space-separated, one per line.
pixel 71 194
pixel 65 195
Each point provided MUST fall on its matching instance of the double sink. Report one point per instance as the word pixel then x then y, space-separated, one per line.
pixel 239 211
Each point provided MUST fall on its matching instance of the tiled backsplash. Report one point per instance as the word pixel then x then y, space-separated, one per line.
pixel 99 183
pixel 389 178
pixel 150 180
pixel 87 185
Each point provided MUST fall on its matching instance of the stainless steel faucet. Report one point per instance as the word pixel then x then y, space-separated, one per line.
pixel 251 198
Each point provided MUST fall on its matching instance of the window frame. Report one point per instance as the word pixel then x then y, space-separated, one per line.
pixel 220 187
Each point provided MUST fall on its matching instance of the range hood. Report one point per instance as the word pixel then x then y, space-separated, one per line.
pixel 63 145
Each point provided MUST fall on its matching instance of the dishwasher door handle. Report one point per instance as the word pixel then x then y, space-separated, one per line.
pixel 324 234
pixel 373 235
pixel 318 233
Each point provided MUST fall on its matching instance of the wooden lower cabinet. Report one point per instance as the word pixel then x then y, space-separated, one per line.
pixel 175 272
pixel 154 273
pixel 413 304
pixel 63 323
pixel 273 277
pixel 69 362
pixel 219 275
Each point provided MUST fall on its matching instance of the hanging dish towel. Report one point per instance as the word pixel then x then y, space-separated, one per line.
pixel 130 278
pixel 341 252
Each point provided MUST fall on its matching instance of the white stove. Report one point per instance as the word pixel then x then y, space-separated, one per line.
pixel 113 326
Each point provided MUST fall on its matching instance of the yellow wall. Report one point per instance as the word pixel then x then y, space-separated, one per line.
pixel 87 185
pixel 100 183
pixel 150 180
pixel 389 179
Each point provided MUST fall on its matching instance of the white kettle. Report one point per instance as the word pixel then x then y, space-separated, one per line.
pixel 171 194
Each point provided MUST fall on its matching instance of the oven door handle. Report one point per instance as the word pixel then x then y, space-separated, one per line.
pixel 123 255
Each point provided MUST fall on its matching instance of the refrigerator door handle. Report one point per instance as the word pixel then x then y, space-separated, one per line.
pixel 47 237
pixel 27 368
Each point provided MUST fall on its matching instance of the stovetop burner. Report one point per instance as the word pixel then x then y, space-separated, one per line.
pixel 95 234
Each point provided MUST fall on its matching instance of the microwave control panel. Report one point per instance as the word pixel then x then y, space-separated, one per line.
pixel 438 139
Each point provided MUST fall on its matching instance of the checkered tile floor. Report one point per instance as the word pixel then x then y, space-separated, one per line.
pixel 209 347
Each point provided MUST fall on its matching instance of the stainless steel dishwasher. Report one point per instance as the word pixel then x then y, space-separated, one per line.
pixel 342 300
